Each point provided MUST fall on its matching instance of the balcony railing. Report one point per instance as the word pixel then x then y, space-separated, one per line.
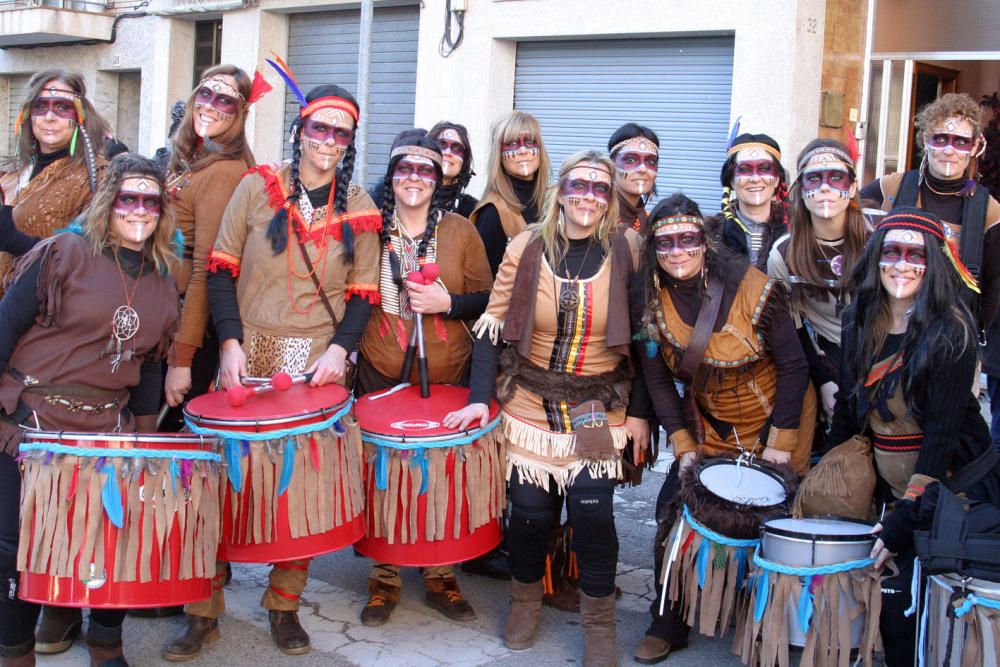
pixel 96 6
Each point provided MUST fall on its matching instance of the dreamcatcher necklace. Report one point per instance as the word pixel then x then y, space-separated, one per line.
pixel 125 321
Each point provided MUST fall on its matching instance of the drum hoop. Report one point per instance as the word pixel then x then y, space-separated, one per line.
pixel 272 421
pixel 954 579
pixel 429 440
pixel 773 474
pixel 815 538
pixel 77 436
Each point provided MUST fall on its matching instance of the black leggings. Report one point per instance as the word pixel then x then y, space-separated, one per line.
pixel 535 511
pixel 17 617
pixel 670 625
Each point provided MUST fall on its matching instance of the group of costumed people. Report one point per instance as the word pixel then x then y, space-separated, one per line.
pixel 789 323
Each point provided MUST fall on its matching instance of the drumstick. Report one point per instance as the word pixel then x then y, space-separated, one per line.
pixel 411 350
pixel 238 395
pixel 430 273
pixel 670 563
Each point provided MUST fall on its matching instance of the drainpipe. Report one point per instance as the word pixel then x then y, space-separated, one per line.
pixel 364 88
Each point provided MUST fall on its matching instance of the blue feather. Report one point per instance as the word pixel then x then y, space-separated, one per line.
pixel 175 472
pixel 287 466
pixel 741 567
pixel 111 497
pixel 760 603
pixel 75 227
pixel 652 348
pixel 702 561
pixel 805 604
pixel 234 465
pixel 289 82
pixel 733 133
pixel 381 468
pixel 420 458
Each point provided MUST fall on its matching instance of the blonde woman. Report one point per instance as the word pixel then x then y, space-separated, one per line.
pixel 561 301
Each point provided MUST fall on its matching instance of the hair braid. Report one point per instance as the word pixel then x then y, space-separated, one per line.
pixel 727 204
pixel 277 232
pixel 388 209
pixel 344 175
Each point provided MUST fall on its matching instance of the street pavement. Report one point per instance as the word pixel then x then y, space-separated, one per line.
pixel 417 635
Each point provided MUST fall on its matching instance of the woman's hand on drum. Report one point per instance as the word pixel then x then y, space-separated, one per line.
pixel 177 384
pixel 879 552
pixel 428 299
pixel 330 367
pixel 638 430
pixel 776 455
pixel 470 414
pixel 828 399
pixel 232 364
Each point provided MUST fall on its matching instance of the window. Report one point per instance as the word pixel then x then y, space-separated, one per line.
pixel 207 47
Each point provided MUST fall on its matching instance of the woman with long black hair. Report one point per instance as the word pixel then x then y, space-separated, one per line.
pixel 456 156
pixel 635 150
pixel 910 355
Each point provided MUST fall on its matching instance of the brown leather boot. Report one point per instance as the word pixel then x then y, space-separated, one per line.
pixel 105 645
pixel 652 650
pixel 382 599
pixel 22 655
pixel 287 633
pixel 443 595
pixel 525 609
pixel 187 645
pixel 599 647
pixel 59 627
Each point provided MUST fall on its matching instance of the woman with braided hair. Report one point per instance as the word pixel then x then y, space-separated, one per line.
pixel 635 150
pixel 56 168
pixel 416 230
pixel 303 242
pixel 813 261
pixel 754 198
pixel 456 161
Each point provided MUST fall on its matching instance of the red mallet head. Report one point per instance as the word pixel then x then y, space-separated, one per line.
pixel 416 277
pixel 431 272
pixel 281 381
pixel 236 396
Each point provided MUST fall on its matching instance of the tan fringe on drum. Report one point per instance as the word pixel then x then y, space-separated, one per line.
pixel 63 519
pixel 478 475
pixel 975 626
pixel 828 642
pixel 537 453
pixel 322 495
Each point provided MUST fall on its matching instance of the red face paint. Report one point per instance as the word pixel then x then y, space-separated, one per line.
pixel 631 161
pixel 689 240
pixel 836 179
pixel 578 187
pixel 404 169
pixel 913 254
pixel 958 142
pixel 130 202
pixel 758 168
pixel 321 132
pixel 59 106
pixel 456 148
pixel 524 141
pixel 205 96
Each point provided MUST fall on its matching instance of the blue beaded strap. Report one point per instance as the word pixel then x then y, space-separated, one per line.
pixel 272 435
pixel 430 444
pixel 710 534
pixel 102 452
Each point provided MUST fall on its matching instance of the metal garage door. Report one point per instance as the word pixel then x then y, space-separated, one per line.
pixel 323 48
pixel 582 91
pixel 17 87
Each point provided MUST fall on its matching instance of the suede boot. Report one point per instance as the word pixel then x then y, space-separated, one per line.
pixel 598 615
pixel 288 633
pixel 525 610
pixel 22 655
pixel 382 599
pixel 187 645
pixel 59 627
pixel 443 595
pixel 105 645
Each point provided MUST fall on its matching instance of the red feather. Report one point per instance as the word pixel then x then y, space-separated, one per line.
pixel 259 89
pixel 449 463
pixel 73 482
pixel 314 452
pixel 852 145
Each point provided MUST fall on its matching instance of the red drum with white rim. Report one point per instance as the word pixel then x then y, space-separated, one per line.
pixel 435 494
pixel 293 469
pixel 118 521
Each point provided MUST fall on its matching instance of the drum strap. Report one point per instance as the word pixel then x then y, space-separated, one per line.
pixel 694 354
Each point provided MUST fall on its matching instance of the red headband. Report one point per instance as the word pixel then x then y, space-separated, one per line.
pixel 330 103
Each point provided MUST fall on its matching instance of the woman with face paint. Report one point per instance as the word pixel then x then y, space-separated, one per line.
pixel 517 179
pixel 88 314
pixel 635 151
pixel 950 132
pixel 683 271
pixel 304 243
pixel 910 354
pixel 456 153
pixel 210 155
pixel 754 211
pixel 561 301
pixel 813 261
pixel 416 230
pixel 56 167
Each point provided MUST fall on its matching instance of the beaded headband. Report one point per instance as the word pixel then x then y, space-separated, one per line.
pixel 770 150
pixel 912 219
pixel 592 166
pixel 842 154
pixel 416 150
pixel 678 220
pixel 641 144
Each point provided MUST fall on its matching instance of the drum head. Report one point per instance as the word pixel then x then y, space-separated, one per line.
pixel 272 407
pixel 746 484
pixel 405 416
pixel 819 528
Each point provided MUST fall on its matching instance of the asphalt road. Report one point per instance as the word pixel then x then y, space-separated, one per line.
pixel 418 635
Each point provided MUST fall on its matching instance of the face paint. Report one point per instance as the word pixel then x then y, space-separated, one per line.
pixel 690 241
pixel 958 142
pixel 217 98
pixel 129 202
pixel 523 142
pixel 632 161
pixel 836 178
pixel 576 189
pixel 60 107
pixel 136 210
pixel 415 167
pixel 216 103
pixel 456 148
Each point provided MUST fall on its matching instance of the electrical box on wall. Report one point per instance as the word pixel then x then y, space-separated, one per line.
pixel 831 109
pixel 459 5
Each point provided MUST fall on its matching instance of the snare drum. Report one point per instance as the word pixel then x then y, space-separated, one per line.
pixel 731 498
pixel 435 495
pixel 293 469
pixel 975 635
pixel 114 520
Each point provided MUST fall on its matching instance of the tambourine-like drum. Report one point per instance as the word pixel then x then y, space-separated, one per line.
pixel 293 470
pixel 435 495
pixel 963 614
pixel 817 542
pixel 743 483
pixel 115 520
